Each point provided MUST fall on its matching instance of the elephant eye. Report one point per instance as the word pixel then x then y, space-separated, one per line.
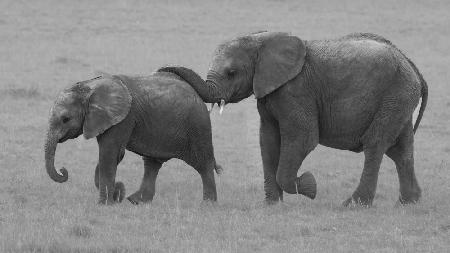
pixel 231 73
pixel 65 119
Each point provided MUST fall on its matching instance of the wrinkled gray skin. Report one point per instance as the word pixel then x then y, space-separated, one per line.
pixel 158 117
pixel 355 93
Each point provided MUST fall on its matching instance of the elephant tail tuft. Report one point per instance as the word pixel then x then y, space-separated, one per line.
pixel 218 169
pixel 424 92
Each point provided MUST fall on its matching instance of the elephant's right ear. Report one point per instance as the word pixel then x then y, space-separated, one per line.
pixel 280 59
pixel 108 104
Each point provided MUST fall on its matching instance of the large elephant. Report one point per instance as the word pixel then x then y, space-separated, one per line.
pixel 158 117
pixel 356 93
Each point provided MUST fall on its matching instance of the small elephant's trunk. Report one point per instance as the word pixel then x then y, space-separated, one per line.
pixel 50 149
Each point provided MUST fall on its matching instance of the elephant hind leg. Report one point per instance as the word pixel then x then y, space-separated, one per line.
pixel 365 192
pixel 402 153
pixel 147 190
pixel 383 133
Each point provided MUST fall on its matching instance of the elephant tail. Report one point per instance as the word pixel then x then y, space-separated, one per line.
pixel 424 92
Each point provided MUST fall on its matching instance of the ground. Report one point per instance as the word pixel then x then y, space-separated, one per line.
pixel 46 45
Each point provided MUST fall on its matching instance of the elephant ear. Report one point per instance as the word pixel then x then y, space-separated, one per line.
pixel 280 59
pixel 109 103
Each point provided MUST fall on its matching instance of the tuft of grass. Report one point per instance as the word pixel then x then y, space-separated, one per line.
pixel 20 93
pixel 81 231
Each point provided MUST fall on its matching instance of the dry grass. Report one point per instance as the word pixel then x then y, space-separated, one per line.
pixel 46 45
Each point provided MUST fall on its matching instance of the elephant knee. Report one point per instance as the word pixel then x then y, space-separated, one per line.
pixel 286 183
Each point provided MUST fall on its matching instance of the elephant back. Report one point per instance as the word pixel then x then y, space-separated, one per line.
pixel 162 91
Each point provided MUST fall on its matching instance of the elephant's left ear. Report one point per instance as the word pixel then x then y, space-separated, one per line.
pixel 109 103
pixel 280 59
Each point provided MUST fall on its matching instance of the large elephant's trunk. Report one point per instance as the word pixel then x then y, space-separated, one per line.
pixel 208 91
pixel 50 149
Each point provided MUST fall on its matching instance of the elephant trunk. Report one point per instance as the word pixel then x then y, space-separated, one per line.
pixel 208 91
pixel 50 149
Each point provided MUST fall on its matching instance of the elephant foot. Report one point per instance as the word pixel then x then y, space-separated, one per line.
pixel 357 201
pixel 119 192
pixel 208 203
pixel 306 185
pixel 139 197
pixel 363 196
pixel 410 196
pixel 270 202
pixel 407 201
pixel 112 197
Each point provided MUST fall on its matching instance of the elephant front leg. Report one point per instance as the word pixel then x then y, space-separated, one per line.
pixel 119 187
pixel 269 140
pixel 109 157
pixel 147 189
pixel 107 174
pixel 294 149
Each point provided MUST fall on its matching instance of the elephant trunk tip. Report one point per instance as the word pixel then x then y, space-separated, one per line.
pixel 60 177
pixel 306 185
pixel 65 175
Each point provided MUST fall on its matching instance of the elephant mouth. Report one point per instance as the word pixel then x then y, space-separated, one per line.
pixel 235 99
pixel 71 134
pixel 63 139
pixel 221 105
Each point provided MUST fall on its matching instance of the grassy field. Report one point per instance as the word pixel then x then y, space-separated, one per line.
pixel 46 45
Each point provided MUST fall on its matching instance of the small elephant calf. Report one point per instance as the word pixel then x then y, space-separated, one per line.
pixel 158 117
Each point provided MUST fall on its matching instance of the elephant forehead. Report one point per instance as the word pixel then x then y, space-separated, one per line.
pixel 64 97
pixel 64 103
pixel 58 110
pixel 220 63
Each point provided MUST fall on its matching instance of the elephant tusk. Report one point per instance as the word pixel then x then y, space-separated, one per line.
pixel 211 108
pixel 222 105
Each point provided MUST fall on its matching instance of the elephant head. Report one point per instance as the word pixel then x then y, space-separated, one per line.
pixel 255 64
pixel 88 108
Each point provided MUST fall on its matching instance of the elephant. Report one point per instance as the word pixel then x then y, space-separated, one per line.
pixel 158 117
pixel 357 92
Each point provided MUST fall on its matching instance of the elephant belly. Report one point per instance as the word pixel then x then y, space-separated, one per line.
pixel 344 142
pixel 344 123
pixel 158 144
